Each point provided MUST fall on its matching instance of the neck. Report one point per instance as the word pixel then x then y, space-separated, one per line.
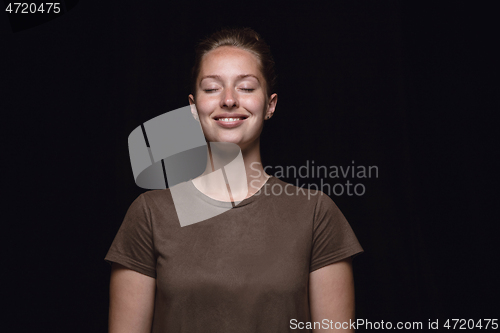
pixel 245 176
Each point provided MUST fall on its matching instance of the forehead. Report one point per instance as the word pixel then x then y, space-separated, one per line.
pixel 229 59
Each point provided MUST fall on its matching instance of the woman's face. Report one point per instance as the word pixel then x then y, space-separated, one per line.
pixel 231 97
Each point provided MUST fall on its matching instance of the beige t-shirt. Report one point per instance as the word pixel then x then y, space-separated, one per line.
pixel 245 270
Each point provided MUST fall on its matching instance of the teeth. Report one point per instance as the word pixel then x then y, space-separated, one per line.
pixel 229 119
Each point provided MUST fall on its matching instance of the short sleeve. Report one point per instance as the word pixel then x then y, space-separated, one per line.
pixel 333 237
pixel 133 246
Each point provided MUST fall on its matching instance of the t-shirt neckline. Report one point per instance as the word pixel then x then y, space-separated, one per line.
pixel 228 204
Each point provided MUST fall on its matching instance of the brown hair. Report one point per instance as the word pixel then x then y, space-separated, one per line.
pixel 243 38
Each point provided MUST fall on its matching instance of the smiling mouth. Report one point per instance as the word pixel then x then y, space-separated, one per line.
pixel 230 119
pixel 230 122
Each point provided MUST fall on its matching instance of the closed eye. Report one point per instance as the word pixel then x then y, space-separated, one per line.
pixel 247 89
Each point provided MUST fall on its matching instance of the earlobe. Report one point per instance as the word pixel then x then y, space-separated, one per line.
pixel 271 106
pixel 194 111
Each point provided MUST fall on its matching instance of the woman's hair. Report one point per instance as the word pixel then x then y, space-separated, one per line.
pixel 243 38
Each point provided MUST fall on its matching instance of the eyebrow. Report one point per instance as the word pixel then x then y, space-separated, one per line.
pixel 218 77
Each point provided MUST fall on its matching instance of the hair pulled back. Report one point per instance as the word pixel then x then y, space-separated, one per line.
pixel 243 38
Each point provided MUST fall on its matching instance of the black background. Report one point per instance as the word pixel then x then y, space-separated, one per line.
pixel 409 87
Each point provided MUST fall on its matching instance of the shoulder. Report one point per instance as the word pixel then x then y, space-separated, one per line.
pixel 302 196
pixel 157 195
pixel 297 194
pixel 157 199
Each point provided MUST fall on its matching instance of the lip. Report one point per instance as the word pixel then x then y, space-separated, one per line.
pixel 230 124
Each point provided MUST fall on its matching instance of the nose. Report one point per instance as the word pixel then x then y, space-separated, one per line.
pixel 229 99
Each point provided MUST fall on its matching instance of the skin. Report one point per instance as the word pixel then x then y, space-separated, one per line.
pixel 131 301
pixel 220 88
pixel 331 288
pixel 331 295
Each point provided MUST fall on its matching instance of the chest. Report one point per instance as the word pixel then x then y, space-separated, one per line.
pixel 236 256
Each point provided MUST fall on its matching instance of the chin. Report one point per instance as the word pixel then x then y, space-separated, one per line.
pixel 231 139
pixel 239 143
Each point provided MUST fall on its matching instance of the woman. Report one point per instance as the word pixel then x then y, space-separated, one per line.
pixel 278 261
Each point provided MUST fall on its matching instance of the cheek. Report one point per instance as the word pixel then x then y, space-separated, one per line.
pixel 256 106
pixel 205 106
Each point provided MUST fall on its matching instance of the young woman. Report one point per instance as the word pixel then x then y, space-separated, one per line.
pixel 279 261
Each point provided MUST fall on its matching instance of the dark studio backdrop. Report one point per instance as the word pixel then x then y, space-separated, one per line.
pixel 411 88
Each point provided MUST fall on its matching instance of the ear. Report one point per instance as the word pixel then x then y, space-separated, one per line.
pixel 194 112
pixel 271 106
